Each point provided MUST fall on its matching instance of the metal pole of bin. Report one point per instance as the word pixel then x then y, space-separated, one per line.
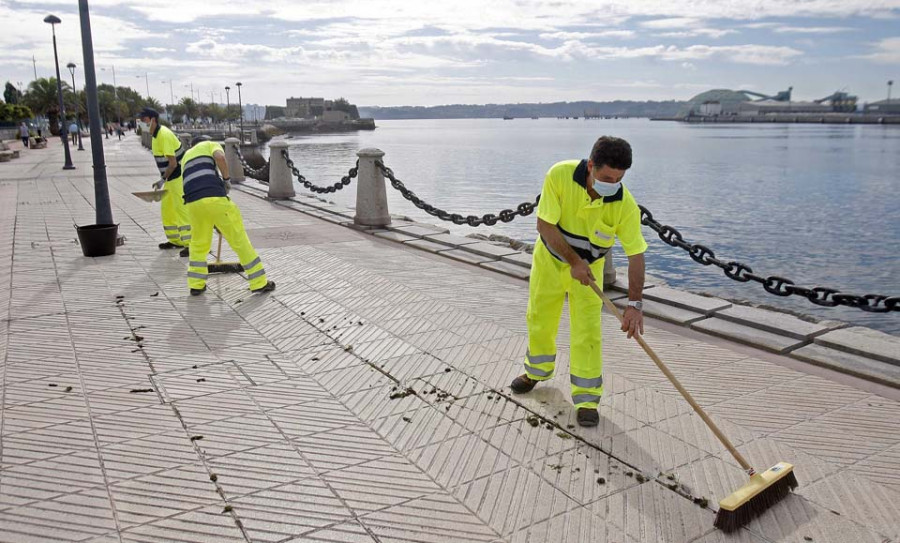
pixel 281 181
pixel 371 196
pixel 101 188
pixel 235 168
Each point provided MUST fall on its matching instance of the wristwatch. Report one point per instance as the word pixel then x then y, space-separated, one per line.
pixel 637 304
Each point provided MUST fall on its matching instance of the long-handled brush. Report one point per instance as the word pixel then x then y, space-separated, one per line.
pixel 762 491
pixel 223 267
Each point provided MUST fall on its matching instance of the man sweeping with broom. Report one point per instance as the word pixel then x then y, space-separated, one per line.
pixel 168 152
pixel 583 208
pixel 208 205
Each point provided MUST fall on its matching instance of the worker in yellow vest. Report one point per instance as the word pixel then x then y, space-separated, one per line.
pixel 167 151
pixel 208 205
pixel 583 209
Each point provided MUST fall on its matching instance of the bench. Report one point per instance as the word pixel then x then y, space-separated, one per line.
pixel 5 148
pixel 6 156
pixel 37 143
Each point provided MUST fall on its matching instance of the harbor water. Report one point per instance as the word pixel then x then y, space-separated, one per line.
pixel 817 204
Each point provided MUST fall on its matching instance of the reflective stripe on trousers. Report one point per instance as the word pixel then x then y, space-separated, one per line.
pixel 175 218
pixel 223 214
pixel 550 282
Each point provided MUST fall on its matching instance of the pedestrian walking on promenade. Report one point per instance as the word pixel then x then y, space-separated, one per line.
pixel 583 209
pixel 23 133
pixel 73 131
pixel 208 204
pixel 168 152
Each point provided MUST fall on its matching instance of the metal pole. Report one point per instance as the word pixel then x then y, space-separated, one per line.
pixel 34 65
pixel 147 81
pixel 53 20
pixel 227 108
pixel 890 84
pixel 241 106
pixel 101 189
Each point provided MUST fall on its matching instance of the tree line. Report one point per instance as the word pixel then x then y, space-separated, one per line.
pixel 116 104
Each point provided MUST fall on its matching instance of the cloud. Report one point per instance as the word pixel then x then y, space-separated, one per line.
pixel 587 35
pixel 694 32
pixel 743 54
pixel 812 29
pixel 672 22
pixel 887 51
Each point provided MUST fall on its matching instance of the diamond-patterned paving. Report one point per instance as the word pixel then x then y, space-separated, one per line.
pixel 366 399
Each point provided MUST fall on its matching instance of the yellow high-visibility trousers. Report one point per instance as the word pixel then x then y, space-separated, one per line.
pixel 550 282
pixel 221 213
pixel 175 219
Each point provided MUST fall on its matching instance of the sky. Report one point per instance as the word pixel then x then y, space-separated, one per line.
pixel 427 52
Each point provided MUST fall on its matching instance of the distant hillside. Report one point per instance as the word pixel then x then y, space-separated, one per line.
pixel 625 108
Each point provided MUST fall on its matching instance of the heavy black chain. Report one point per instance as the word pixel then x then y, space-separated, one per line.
pixel 321 190
pixel 490 219
pixel 779 286
pixel 260 174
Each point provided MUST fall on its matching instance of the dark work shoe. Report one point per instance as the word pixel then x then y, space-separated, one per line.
pixel 269 287
pixel 522 384
pixel 167 245
pixel 587 417
pixel 197 291
pixel 185 252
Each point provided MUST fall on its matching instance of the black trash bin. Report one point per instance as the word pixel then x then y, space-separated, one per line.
pixel 98 239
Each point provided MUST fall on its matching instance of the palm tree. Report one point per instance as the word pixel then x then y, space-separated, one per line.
pixel 190 108
pixel 43 99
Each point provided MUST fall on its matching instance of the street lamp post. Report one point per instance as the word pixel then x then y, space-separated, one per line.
pixel 890 84
pixel 53 20
pixel 115 95
pixel 241 107
pixel 71 66
pixel 101 188
pixel 228 108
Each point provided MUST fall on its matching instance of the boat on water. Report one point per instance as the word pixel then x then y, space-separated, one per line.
pixel 508 118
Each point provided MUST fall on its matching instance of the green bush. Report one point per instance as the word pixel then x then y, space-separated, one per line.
pixel 14 113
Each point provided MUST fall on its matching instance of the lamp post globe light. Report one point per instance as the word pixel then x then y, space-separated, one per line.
pixel 241 107
pixel 71 66
pixel 53 20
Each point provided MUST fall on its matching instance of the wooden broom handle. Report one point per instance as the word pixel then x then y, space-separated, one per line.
pixel 687 395
pixel 219 250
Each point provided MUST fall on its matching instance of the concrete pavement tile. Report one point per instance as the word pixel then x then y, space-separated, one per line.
pixel 79 515
pixel 322 358
pixel 350 532
pixel 291 510
pixel 144 456
pixel 575 526
pixel 514 500
pixel 409 367
pixel 321 415
pixel 852 364
pixel 526 443
pixel 748 335
pixel 480 411
pixel 859 499
pixel 344 447
pixel 287 393
pixel 775 322
pixel 686 300
pixel 648 406
pixel 203 525
pixel 881 468
pixel 578 472
pixel 460 460
pixel 428 519
pixel 240 433
pixel 651 513
pixel 162 494
pixel 690 428
pixel 507 268
pixel 454 383
pixel 865 342
pixel 351 379
pixel 251 471
pixel 379 484
pixel 417 428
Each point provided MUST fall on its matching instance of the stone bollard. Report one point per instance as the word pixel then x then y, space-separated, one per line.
pixel 235 168
pixel 371 199
pixel 281 179
pixel 185 141
pixel 609 271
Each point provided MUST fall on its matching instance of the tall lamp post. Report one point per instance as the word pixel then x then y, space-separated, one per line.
pixel 71 66
pixel 890 84
pixel 101 189
pixel 147 81
pixel 53 20
pixel 228 107
pixel 241 107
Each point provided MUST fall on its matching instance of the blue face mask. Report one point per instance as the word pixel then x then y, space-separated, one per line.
pixel 606 189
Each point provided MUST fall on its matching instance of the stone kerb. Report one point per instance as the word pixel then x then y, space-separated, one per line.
pixel 235 168
pixel 281 181
pixel 371 196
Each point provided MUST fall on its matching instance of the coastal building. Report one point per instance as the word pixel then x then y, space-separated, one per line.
pixel 884 107
pixel 304 108
pixel 710 108
pixel 770 107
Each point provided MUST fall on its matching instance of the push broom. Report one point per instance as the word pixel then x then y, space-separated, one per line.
pixel 223 267
pixel 762 491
